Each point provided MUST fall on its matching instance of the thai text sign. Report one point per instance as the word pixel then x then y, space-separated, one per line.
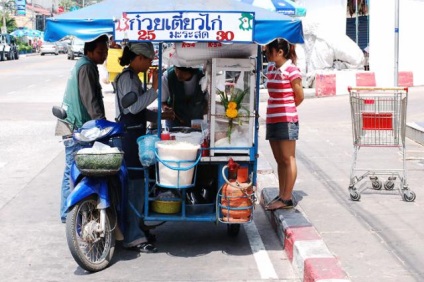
pixel 20 7
pixel 185 26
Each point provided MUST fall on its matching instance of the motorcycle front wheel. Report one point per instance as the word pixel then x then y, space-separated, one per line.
pixel 91 249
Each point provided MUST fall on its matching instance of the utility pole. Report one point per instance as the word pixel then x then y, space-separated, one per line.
pixel 3 14
pixel 356 22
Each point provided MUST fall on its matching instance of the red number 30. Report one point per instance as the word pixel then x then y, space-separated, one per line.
pixel 225 35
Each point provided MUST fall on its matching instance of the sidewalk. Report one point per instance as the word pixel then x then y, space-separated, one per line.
pixel 328 236
pixel 303 245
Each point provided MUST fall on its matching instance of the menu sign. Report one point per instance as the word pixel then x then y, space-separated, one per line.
pixel 185 26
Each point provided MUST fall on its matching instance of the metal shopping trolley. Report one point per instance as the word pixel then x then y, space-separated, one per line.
pixel 378 120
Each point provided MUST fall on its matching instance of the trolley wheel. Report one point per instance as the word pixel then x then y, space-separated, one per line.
pixel 377 184
pixel 355 196
pixel 389 185
pixel 233 229
pixel 409 198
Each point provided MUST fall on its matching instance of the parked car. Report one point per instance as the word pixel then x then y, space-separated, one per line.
pixel 8 47
pixel 49 48
pixel 76 49
pixel 63 47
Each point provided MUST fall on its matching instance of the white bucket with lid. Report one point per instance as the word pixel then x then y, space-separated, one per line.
pixel 176 163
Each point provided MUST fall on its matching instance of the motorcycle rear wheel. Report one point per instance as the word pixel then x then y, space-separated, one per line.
pixel 91 251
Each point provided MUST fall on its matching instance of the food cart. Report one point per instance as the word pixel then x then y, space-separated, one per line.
pixel 224 36
pixel 229 130
pixel 226 142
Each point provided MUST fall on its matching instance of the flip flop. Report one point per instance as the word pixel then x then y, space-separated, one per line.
pixel 273 200
pixel 288 204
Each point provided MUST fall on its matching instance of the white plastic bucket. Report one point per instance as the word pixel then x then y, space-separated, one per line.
pixel 174 159
pixel 195 137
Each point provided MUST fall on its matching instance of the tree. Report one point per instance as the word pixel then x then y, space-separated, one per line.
pixel 6 8
pixel 10 24
pixel 67 4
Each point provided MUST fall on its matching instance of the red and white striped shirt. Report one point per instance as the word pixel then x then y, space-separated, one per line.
pixel 281 106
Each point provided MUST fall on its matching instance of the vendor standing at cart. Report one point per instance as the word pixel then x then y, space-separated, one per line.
pixel 182 95
pixel 135 58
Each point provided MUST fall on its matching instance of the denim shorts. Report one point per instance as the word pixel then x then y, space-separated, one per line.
pixel 282 131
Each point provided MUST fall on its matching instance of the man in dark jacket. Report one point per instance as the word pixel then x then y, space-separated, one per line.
pixel 83 101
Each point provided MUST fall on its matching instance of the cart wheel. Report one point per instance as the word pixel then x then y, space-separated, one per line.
pixel 233 229
pixel 389 185
pixel 355 196
pixel 409 197
pixel 377 184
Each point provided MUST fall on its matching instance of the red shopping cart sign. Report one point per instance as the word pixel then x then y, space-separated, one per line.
pixel 377 121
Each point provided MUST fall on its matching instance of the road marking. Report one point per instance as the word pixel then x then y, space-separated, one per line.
pixel 265 267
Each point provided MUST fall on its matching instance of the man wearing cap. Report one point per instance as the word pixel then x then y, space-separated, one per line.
pixel 136 58
pixel 182 94
pixel 82 101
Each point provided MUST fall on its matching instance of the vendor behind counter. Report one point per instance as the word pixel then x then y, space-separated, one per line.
pixel 183 95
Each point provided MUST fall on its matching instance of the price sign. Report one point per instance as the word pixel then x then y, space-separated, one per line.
pixel 185 26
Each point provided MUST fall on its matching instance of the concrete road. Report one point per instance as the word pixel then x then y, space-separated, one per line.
pixel 32 237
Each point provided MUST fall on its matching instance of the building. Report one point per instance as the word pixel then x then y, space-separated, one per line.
pixel 35 13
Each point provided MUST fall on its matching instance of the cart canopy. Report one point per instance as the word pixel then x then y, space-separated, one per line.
pixel 92 21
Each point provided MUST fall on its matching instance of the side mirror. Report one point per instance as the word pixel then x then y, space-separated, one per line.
pixel 129 99
pixel 59 112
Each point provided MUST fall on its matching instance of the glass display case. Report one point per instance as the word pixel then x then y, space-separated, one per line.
pixel 232 111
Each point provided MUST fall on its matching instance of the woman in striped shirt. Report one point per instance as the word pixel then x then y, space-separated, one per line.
pixel 284 83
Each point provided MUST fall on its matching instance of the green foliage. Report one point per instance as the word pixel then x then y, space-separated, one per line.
pixel 11 24
pixel 236 96
pixel 66 4
pixel 7 8
pixel 24 47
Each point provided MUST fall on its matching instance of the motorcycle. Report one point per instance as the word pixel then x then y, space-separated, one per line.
pixel 96 206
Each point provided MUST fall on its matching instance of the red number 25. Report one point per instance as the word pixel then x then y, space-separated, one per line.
pixel 146 35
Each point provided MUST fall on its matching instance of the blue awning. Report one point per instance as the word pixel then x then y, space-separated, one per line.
pixel 286 7
pixel 92 21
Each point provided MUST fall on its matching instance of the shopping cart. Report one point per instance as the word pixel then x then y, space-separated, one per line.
pixel 378 121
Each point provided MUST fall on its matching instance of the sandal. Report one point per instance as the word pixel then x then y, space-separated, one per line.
pixel 146 248
pixel 273 200
pixel 288 204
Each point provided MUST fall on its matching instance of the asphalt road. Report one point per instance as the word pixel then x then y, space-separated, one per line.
pixel 380 238
pixel 32 237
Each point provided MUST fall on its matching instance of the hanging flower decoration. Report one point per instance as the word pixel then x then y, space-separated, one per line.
pixel 232 104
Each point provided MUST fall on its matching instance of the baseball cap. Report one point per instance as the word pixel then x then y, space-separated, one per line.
pixel 146 49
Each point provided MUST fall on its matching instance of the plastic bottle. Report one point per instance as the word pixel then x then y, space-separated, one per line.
pixel 165 135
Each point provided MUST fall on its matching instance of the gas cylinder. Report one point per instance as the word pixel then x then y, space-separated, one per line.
pixel 236 194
